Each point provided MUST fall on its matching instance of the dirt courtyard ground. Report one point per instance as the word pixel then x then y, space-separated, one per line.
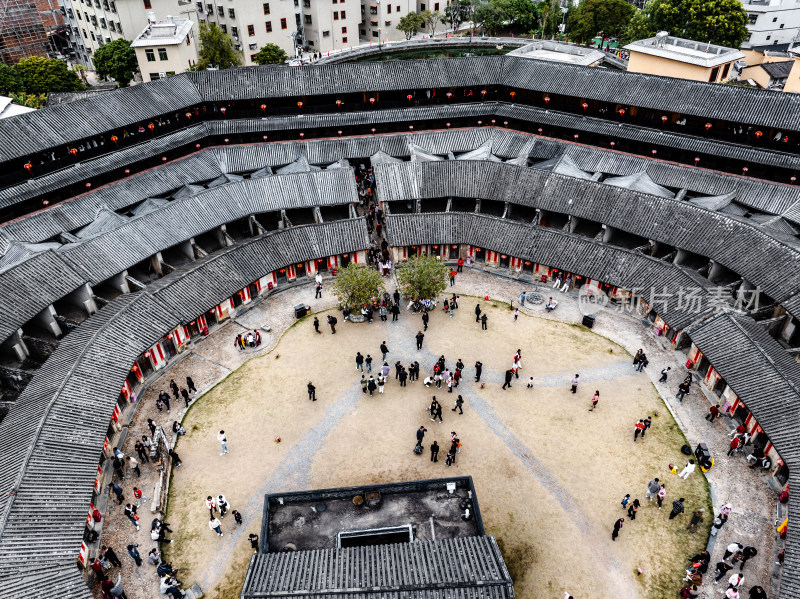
pixel 549 473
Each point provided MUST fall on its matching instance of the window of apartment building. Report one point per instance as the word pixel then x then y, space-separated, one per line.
pixel 223 27
pixel 781 27
pixel 78 14
pixel 199 6
pixel 725 70
pixel 97 3
pixel 113 6
pixel 343 15
pixel 86 14
pixel 221 11
pixel 775 19
pixel 373 10
pixel 374 34
pixel 108 40
pixel 154 76
pixel 310 42
pixel 92 36
pixel 422 7
pixel 269 26
pixel 266 8
pixel 103 24
pixel 751 18
pixel 436 6
pixel 387 23
pixel 231 13
pixel 252 58
pixel 162 54
pixel 151 55
pixel 335 15
pixel 363 32
pixel 769 37
pixel 147 4
pixel 251 30
pixel 334 1
pixel 209 9
pixel 234 32
pixel 326 34
pixel 344 40
pixel 388 9
pixel 306 20
pixel 714 74
pixel 344 29
pixel 84 33
pixel 105 5
pixel 94 20
pixel 397 8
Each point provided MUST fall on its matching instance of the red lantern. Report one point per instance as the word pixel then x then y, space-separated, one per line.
pixel 227 140
pixel 793 179
pixel 188 115
pixel 410 97
pixel 263 107
pixel 503 256
pixel 265 138
pixel 88 185
pixel 483 93
pixel 696 160
pixel 299 266
pixel 493 121
pixel 621 111
pixel 45 202
pixel 373 129
pixel 197 146
pixel 372 100
pixel 283 270
pixel 302 135
pixel 546 99
pixel 653 152
pixel 169 336
pixel 613 143
pixel 151 126
pixel 477 249
pixel 73 151
pixel 759 134
pixel 339 132
pixel 786 139
pixel 299 104
pixel 411 127
pixel 527 263
pixel 449 95
pixel 127 171
pixel 338 103
pixel 576 137
pixel 223 110
pixel 163 159
pixel 505 123
pixel 708 126
pixel 114 138
pixel 744 170
pixel 664 119
pixel 448 125
pixel 480 123
pixel 28 166
pixel 454 247
pixel 512 94
pixel 585 105
pixel 436 247
pixel 539 130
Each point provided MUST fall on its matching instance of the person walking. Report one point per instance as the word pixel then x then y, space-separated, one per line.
pixel 318 291
pixel 190 385
pixel 316 326
pixel 381 383
pixel 437 413
pixel 134 553
pixel 460 263
pixel 223 442
pixel 222 505
pixel 735 580
pixel 477 313
pixel 141 451
pixel 637 430
pixel 134 465
pixel 735 444
pixel 625 501
pixel 683 389
pixel 747 553
pixel 459 403
pixel 371 385
pixel 757 592
pixel 420 435
pixel 661 495
pixel 516 314
pixel 522 299
pixel 384 350
pixel 332 323
pixel 139 496
pixel 478 370
pixel 363 384
pixel 368 363
pixel 403 377
pixel 595 397
pixel 575 381
pixel 483 322
pixel 130 513
pixel 211 504
pixel 253 538
pixel 215 525
pixel 452 278
pixel 664 372
pixel 697 518
pixel 312 391
pixel 395 310
pixel 425 319
pixel 731 549
pixel 509 376
pixel 633 508
pixel 435 452
pixel 359 362
pixel 713 412
pixel 111 556
pixel 687 470
pixel 117 490
pixel 420 336
pixel 721 570
pixel 652 488
pixel 617 526
pixel 185 395
pixel 646 422
pixel 677 508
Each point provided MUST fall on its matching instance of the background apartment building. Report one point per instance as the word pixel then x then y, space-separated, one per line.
pixel 379 19
pixel 330 24
pixel 165 48
pixel 772 22
pixel 253 24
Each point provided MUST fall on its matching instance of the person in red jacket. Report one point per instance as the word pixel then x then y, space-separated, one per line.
pixel 736 443
pixel 460 265
pixel 713 412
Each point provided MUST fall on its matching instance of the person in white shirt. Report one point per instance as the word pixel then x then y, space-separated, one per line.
pixel 215 525
pixel 223 441
pixel 687 470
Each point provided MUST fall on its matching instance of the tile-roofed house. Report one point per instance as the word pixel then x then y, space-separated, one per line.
pixel 640 182
pixel 105 219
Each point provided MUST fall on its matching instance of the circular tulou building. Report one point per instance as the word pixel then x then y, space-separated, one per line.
pixel 136 220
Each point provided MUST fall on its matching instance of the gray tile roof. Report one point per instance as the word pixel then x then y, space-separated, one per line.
pixel 450 568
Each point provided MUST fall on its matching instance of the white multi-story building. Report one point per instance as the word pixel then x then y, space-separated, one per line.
pixel 102 21
pixel 330 24
pixel 253 23
pixel 165 48
pixel 771 22
pixel 379 19
pixel 74 33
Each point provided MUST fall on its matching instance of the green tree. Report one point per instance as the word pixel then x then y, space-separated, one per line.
pixel 721 22
pixel 410 24
pixel 550 16
pixel 593 16
pixel 10 81
pixel 422 277
pixel 356 285
pixel 640 27
pixel 521 14
pixel 42 76
pixel 117 60
pixel 29 100
pixel 216 49
pixel 270 54
pixel 457 13
pixel 81 70
pixel 490 15
pixel 431 19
